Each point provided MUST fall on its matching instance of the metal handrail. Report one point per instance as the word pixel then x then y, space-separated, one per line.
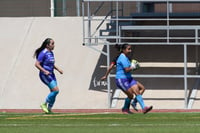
pixel 100 6
pixel 103 20
pixel 103 40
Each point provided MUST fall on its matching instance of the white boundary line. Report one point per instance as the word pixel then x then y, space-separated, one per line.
pixel 105 125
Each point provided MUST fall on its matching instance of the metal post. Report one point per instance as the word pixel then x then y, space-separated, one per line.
pixel 197 59
pixel 52 8
pixel 170 7
pixel 138 7
pixel 108 78
pixel 78 7
pixel 117 21
pixel 168 21
pixel 89 22
pixel 64 8
pixel 83 17
pixel 197 51
pixel 196 35
pixel 185 74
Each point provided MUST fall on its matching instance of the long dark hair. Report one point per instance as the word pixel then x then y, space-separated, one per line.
pixel 43 46
pixel 118 47
pixel 121 47
pixel 124 46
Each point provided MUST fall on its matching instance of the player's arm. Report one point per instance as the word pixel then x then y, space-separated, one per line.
pixel 38 66
pixel 126 65
pixel 58 69
pixel 108 71
pixel 128 69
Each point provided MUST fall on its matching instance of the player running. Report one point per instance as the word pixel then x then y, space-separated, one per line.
pixel 125 81
pixel 45 62
pixel 125 108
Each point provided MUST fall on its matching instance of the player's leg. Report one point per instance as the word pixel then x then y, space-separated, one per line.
pixel 134 102
pixel 141 88
pixel 50 100
pixel 123 85
pixel 127 101
pixel 51 82
pixel 135 90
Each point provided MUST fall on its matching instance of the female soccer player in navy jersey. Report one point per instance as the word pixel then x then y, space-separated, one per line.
pixel 125 81
pixel 45 62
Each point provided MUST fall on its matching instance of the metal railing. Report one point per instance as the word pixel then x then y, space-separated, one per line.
pixel 187 35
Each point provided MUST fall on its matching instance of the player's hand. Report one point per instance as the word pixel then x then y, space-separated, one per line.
pixel 103 78
pixel 133 66
pixel 47 72
pixel 60 71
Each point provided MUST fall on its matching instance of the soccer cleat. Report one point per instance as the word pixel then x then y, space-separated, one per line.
pixel 126 111
pixel 134 106
pixel 50 112
pixel 44 108
pixel 147 109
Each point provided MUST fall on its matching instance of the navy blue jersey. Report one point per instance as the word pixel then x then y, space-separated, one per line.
pixel 47 60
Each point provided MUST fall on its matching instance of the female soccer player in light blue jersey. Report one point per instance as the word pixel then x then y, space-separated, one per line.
pixel 125 108
pixel 45 62
pixel 125 81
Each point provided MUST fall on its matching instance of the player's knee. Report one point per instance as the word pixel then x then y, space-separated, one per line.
pixel 56 92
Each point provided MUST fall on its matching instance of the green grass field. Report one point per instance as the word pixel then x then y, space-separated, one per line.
pixel 99 123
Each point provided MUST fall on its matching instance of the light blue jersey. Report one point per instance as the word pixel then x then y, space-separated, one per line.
pixel 122 63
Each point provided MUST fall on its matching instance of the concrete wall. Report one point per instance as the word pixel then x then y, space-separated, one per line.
pixel 20 86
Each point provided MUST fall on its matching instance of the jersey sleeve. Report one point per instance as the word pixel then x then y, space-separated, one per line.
pixel 41 56
pixel 114 61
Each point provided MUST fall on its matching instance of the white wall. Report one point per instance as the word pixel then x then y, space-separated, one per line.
pixel 20 86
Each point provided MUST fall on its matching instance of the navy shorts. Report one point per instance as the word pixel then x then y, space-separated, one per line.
pixel 125 84
pixel 49 80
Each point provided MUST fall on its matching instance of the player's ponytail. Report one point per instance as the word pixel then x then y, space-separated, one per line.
pixel 43 46
pixel 118 47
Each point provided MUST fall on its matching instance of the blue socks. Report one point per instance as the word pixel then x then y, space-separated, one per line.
pixel 51 98
pixel 127 103
pixel 135 101
pixel 140 101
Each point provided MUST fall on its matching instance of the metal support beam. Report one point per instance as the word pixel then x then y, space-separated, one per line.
pixel 185 75
pixel 78 8
pixel 64 8
pixel 89 21
pixel 108 78
pixel 52 8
